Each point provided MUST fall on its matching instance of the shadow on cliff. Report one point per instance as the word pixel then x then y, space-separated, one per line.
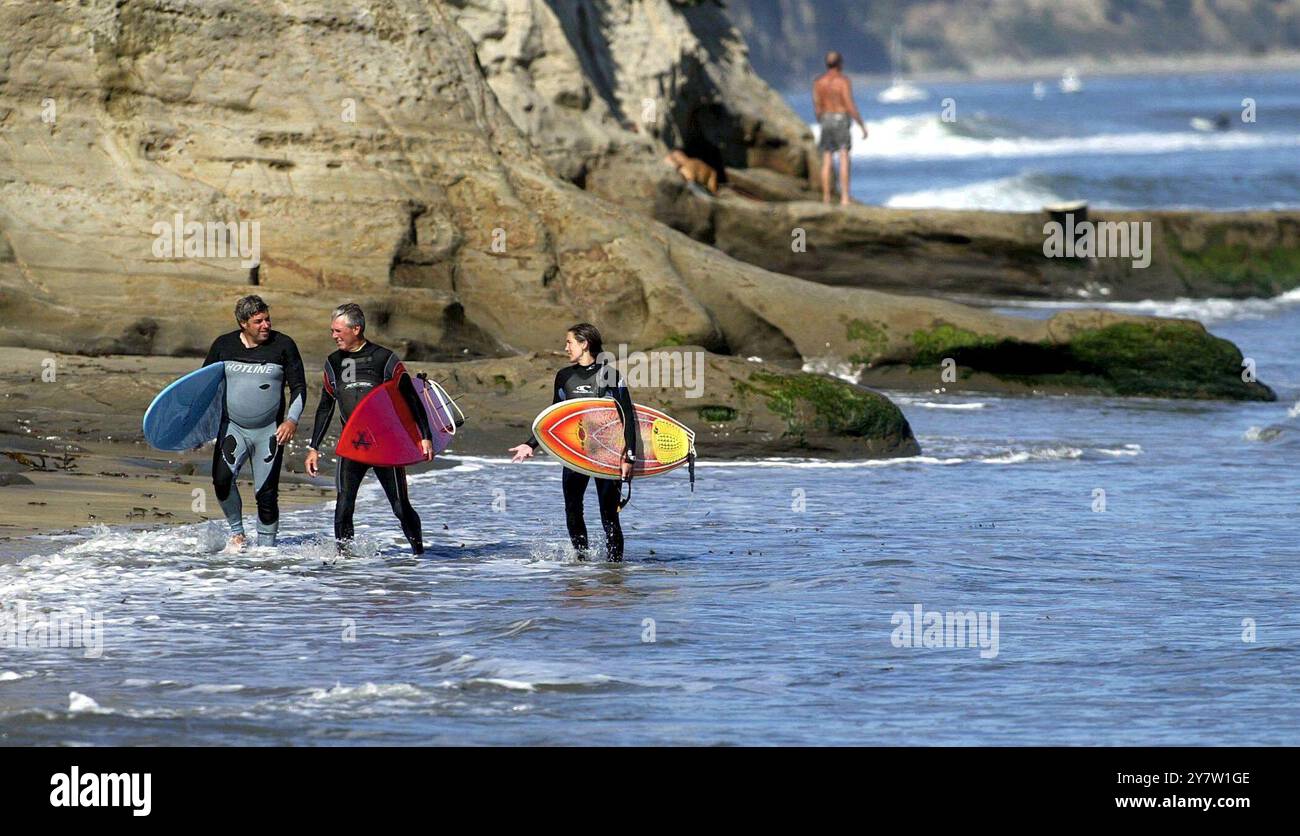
pixel 584 25
pixel 699 123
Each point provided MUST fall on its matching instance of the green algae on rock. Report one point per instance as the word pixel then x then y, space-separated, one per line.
pixel 1161 358
pixel 1167 359
pixel 1250 271
pixel 818 402
pixel 944 340
pixel 872 337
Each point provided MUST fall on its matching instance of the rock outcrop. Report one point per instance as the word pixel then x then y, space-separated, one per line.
pixel 961 254
pixel 372 158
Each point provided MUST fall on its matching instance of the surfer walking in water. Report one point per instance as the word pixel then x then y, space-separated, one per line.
pixel 350 374
pixel 259 363
pixel 835 112
pixel 591 378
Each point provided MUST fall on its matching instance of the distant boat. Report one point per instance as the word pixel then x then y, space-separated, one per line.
pixel 900 91
pixel 1070 81
pixel 1219 123
pixel 1040 90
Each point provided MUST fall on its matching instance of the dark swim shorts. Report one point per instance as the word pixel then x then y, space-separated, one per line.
pixel 836 133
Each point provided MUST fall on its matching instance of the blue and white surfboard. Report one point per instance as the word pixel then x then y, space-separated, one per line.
pixel 187 413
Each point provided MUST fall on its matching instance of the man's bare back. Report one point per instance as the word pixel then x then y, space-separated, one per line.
pixel 833 94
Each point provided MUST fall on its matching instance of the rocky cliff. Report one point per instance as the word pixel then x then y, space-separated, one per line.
pixel 586 81
pixel 369 151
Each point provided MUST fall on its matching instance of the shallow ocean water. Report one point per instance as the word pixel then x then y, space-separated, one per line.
pixel 772 620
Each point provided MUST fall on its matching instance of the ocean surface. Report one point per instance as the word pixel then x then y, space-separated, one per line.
pixel 1138 558
pixel 1121 142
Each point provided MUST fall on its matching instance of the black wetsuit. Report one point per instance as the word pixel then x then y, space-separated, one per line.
pixel 252 411
pixel 349 377
pixel 598 380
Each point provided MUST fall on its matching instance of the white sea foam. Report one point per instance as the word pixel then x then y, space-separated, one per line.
pixel 366 692
pixel 1206 310
pixel 471 463
pixel 825 464
pixel 1048 454
pixel 978 453
pixel 1126 450
pixel 958 405
pixel 528 675
pixel 1269 433
pixel 927 137
pixel 213 689
pixel 78 703
pixel 547 552
pixel 835 367
pixel 928 400
pixel 1021 193
pixel 510 684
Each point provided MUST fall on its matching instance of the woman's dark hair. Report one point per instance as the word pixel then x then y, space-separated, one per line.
pixel 588 333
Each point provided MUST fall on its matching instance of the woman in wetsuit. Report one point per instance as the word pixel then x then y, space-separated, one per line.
pixel 590 377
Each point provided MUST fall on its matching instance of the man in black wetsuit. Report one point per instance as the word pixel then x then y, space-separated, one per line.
pixel 589 378
pixel 259 362
pixel 350 374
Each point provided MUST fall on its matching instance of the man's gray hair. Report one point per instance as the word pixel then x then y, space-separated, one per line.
pixel 352 315
pixel 249 307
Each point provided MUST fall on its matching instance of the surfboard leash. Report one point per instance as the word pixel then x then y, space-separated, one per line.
pixel 623 501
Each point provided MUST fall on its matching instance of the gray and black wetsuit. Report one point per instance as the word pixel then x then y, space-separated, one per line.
pixel 599 380
pixel 253 410
pixel 349 377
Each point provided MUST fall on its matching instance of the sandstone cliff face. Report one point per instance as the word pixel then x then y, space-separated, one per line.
pixel 586 81
pixel 375 160
pixel 379 167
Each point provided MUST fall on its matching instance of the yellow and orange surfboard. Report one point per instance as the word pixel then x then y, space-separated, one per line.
pixel 586 435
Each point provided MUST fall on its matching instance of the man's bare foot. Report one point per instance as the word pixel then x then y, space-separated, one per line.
pixel 237 543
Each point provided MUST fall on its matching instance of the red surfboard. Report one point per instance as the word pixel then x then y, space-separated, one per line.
pixel 382 431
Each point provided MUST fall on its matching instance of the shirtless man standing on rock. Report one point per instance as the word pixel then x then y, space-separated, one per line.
pixel 835 111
